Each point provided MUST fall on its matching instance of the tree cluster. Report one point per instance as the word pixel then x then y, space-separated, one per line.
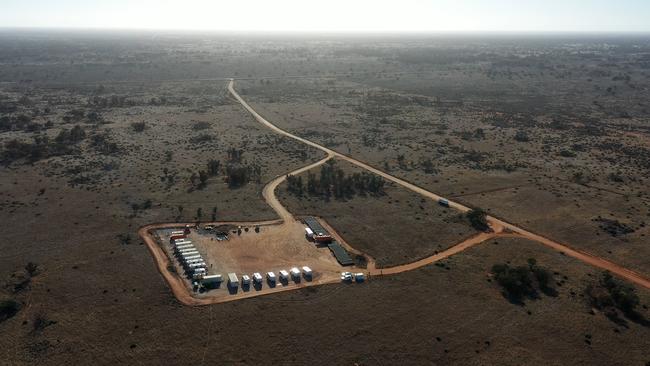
pixel 609 294
pixel 478 219
pixel 42 147
pixel 523 281
pixel 333 181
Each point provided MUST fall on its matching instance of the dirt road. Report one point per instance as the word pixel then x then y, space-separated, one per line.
pixel 593 260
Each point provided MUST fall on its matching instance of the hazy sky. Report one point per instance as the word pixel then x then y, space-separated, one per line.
pixel 333 15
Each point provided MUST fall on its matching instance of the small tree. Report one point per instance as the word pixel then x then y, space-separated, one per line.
pixel 478 219
pixel 8 308
pixel 138 126
pixel 31 268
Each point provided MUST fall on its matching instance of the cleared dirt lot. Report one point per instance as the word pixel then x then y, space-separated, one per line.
pixel 274 248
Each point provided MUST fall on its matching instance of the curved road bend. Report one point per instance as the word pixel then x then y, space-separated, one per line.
pixel 591 259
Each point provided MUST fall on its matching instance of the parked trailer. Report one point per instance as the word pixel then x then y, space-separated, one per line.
pixel 196 270
pixel 184 246
pixel 295 274
pixel 194 260
pixel 176 237
pixel 177 232
pixel 181 242
pixel 443 202
pixel 184 256
pixel 309 233
pixel 211 281
pixel 187 250
pixel 188 253
pixel 196 256
pixel 233 281
pixel 307 272
pixel 196 264
pixel 257 278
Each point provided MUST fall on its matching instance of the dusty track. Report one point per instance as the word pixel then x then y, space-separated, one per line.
pixel 499 227
pixel 591 259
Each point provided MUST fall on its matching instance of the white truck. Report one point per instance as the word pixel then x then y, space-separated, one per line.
pixel 257 278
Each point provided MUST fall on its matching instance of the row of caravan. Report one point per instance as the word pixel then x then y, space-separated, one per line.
pixel 188 256
pixel 257 279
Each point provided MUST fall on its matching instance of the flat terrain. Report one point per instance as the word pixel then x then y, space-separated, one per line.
pixel 549 134
pixel 396 227
pixel 275 247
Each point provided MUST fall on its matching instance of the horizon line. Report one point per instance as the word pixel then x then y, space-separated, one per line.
pixel 327 32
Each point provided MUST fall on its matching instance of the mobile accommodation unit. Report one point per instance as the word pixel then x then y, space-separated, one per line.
pixel 284 275
pixel 211 281
pixel 307 272
pixel 233 281
pixel 270 276
pixel 295 274
pixel 245 280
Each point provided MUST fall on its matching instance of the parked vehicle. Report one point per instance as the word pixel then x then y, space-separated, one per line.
pixel 284 275
pixel 295 274
pixel 359 277
pixel 307 272
pixel 257 278
pixel 270 276
pixel 346 276
pixel 245 280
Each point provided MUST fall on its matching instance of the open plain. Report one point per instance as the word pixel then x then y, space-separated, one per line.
pixel 108 139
